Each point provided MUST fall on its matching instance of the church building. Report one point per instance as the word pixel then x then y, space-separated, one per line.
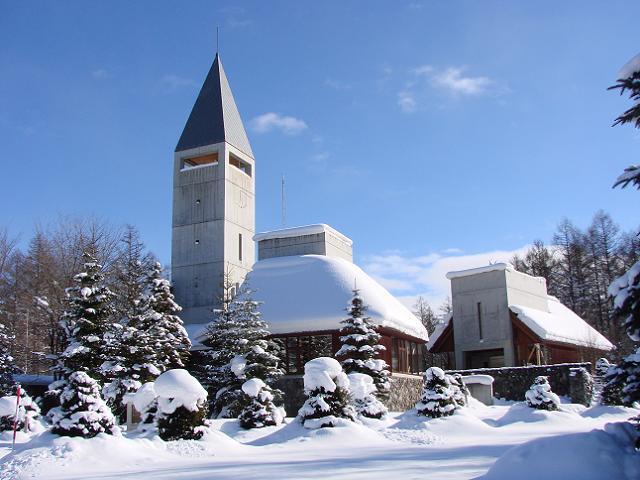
pixel 305 276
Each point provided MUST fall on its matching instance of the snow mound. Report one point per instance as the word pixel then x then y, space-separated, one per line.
pixel 323 285
pixel 8 406
pixel 561 324
pixel 177 388
pixel 361 385
pixel 478 379
pixel 321 373
pixel 145 395
pixel 253 386
pixel 588 456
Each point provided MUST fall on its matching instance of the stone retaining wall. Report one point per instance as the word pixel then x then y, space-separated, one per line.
pixel 568 379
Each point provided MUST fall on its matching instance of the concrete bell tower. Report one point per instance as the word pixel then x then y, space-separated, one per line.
pixel 213 200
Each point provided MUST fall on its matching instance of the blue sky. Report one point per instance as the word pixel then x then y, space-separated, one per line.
pixel 434 134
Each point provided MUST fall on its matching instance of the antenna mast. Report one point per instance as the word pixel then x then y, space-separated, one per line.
pixel 283 211
pixel 217 40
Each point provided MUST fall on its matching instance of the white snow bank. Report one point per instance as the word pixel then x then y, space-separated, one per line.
pixel 324 372
pixel 475 379
pixel 561 324
pixel 177 388
pixel 588 456
pixel 300 231
pixel 630 67
pixel 310 292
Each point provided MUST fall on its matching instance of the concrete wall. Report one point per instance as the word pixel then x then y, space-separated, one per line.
pixel 212 205
pixel 488 289
pixel 525 290
pixel 511 383
pixel 324 243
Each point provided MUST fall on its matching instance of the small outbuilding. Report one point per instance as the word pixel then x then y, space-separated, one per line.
pixel 502 317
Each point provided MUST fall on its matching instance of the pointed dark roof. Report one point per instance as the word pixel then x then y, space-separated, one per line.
pixel 214 117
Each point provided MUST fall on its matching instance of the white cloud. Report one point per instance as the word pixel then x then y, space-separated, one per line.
pixel 270 121
pixel 101 74
pixel 454 80
pixel 170 83
pixel 406 101
pixel 408 277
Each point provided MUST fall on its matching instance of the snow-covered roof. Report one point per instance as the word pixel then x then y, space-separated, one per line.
pixel 300 231
pixel 560 324
pixel 475 271
pixel 311 292
pixel 439 330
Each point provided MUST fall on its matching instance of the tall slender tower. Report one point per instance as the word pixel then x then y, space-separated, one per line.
pixel 213 200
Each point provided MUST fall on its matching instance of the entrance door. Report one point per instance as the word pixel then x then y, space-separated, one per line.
pixel 485 358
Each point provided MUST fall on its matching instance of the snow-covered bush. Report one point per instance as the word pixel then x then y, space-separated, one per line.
pixel 540 396
pixel 327 390
pixel 260 409
pixel 361 346
pixel 437 396
pixel 82 412
pixel 28 412
pixel 363 396
pixel 460 390
pixel 145 401
pixel 182 405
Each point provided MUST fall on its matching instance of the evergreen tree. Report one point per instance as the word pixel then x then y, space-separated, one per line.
pixel 260 409
pixel 86 322
pixel 170 339
pixel 7 367
pixel 361 346
pixel 257 359
pixel 540 396
pixel 437 395
pixel 613 383
pixel 460 391
pixel 363 396
pixel 327 390
pixel 181 406
pixel 82 412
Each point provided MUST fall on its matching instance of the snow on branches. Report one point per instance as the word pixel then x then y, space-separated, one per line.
pixel 361 346
pixel 437 396
pixel 540 396
pixel 327 390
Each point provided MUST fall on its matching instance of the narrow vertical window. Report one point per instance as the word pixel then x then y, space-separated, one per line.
pixel 479 305
pixel 240 247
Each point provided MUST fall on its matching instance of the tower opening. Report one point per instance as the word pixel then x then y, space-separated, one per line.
pixel 199 161
pixel 240 164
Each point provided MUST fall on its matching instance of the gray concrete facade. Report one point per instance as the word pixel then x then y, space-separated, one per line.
pixel 310 240
pixel 213 227
pixel 481 315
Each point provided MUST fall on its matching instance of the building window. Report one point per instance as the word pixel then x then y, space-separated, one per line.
pixel 240 164
pixel 479 306
pixel 240 247
pixel 197 242
pixel 201 161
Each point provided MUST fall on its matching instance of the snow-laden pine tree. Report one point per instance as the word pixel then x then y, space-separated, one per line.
pixel 88 318
pixel 7 367
pixel 437 395
pixel 182 406
pixel 260 411
pixel 626 290
pixel 363 396
pixel 540 396
pixel 170 340
pixel 82 412
pixel 327 390
pixel 361 346
pixel 460 390
pixel 239 350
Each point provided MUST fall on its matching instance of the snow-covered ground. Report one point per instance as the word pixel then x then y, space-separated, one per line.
pixel 572 443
